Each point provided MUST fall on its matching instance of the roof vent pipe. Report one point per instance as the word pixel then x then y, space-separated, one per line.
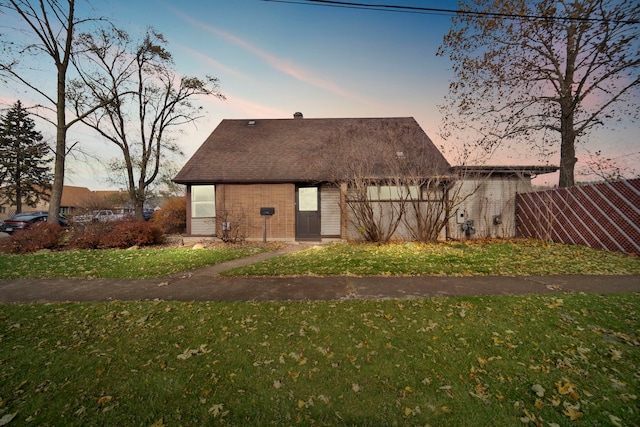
pixel 297 115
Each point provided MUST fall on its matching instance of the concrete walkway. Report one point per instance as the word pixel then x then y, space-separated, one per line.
pixel 206 284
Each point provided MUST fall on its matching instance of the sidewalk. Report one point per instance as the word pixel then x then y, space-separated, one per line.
pixel 206 285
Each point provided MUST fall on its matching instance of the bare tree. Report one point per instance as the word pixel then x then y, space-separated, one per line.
pixel 607 169
pixel 539 71
pixel 150 101
pixel 394 180
pixel 428 214
pixel 51 32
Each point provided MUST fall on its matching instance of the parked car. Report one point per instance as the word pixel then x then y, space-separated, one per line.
pixel 29 213
pixel 25 220
pixel 104 215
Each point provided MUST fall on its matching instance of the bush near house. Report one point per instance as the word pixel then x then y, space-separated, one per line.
pixel 116 234
pixel 172 218
pixel 43 235
pixel 89 236
pixel 99 235
pixel 126 234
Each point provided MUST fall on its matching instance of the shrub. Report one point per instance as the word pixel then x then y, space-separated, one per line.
pixel 43 235
pixel 172 218
pixel 91 235
pixel 133 233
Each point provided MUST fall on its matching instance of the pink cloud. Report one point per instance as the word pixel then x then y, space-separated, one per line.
pixel 252 109
pixel 212 62
pixel 283 65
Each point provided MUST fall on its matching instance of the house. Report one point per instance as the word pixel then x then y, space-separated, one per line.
pixel 74 200
pixel 301 179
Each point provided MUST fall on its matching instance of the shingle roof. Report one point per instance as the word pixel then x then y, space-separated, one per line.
pixel 287 150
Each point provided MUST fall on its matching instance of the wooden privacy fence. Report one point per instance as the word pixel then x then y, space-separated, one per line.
pixel 603 216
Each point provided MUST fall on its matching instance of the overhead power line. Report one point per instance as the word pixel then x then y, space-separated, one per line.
pixel 439 11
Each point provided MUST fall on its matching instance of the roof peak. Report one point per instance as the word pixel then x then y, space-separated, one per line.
pixel 323 118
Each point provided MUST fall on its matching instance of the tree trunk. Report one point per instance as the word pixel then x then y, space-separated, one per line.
pixel 61 150
pixel 568 158
pixel 139 206
pixel 18 198
pixel 567 108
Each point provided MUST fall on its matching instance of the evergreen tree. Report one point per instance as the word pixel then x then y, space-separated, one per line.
pixel 25 175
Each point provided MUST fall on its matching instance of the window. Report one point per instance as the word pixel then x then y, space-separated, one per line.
pixel 388 192
pixel 307 199
pixel 203 201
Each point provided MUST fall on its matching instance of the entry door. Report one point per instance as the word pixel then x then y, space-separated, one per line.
pixel 308 213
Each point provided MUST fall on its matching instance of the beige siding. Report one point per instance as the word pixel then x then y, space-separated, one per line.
pixel 203 226
pixel 330 211
pixel 484 200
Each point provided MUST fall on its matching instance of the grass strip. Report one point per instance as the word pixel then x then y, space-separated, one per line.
pixel 499 258
pixel 120 263
pixel 500 361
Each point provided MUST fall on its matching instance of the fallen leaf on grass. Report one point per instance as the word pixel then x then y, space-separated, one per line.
pixel 572 411
pixel 615 420
pixel 530 418
pixel 615 354
pixel 194 352
pixel 7 418
pixel 556 303
pixel 538 390
pixel 218 411
pixel 568 388
pixel 480 392
pixel 105 399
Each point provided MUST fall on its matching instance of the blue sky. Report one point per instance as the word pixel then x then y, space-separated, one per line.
pixel 274 59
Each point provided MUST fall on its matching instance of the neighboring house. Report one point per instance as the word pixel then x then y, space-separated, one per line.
pixel 74 200
pixel 288 166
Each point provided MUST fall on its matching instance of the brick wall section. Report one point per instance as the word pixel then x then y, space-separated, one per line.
pixel 243 202
pixel 604 216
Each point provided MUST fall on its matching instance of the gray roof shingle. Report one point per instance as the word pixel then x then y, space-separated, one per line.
pixel 291 150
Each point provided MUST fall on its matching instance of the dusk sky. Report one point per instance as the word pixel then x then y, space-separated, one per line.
pixel 275 58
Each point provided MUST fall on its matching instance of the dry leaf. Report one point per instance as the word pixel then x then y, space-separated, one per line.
pixel 538 390
pixel 7 418
pixel 105 399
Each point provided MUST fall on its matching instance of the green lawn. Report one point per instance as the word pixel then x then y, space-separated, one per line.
pixel 568 360
pixel 563 360
pixel 120 263
pixel 501 258
pixel 455 259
